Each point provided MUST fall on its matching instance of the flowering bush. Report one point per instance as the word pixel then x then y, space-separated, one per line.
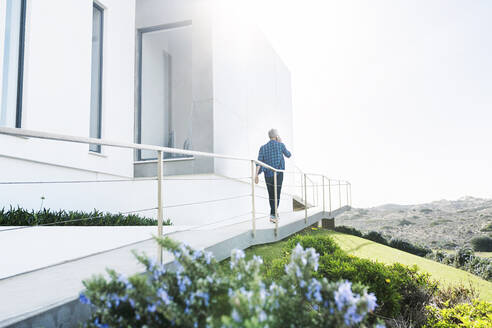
pixel 198 294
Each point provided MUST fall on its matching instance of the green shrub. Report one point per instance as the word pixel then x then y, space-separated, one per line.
pixel 475 315
pixel 348 230
pixel 405 222
pixel 409 247
pixel 449 296
pixel 440 221
pixel 22 217
pixel 377 276
pixel 482 244
pixel 450 245
pixel 417 290
pixel 464 258
pixel 487 227
pixel 376 237
pixel 322 244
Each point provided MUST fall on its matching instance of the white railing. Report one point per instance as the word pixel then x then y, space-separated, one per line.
pixel 307 180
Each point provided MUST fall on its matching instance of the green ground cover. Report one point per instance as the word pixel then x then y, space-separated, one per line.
pixel 364 248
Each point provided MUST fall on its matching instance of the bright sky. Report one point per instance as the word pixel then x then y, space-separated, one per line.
pixel 394 96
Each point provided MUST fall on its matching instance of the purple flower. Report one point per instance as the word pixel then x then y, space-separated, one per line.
pixel 371 302
pixel 258 259
pixel 83 299
pixel 151 308
pixel 197 254
pixel 351 316
pixel 208 257
pixel 298 272
pixel 205 296
pixel 183 283
pixel 236 256
pixel 344 295
pixel 315 290
pixel 98 324
pixel 151 264
pixel 235 316
pixel 164 296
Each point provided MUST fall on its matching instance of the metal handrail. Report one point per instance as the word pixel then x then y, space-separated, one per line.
pixel 161 150
pixel 103 142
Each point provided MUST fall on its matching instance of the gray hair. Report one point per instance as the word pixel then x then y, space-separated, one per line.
pixel 273 133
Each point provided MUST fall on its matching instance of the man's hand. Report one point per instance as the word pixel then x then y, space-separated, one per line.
pixel 257 179
pixel 279 139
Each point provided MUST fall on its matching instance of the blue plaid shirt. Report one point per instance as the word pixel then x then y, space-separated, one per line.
pixel 272 153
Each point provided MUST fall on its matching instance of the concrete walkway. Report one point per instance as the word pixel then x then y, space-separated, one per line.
pixel 39 247
pixel 47 294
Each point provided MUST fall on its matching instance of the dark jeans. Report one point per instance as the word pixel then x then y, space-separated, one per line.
pixel 271 190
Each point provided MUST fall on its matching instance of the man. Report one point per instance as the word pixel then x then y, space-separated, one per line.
pixel 272 153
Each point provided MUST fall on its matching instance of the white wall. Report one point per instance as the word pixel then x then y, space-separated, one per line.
pixel 57 84
pixel 252 91
pixel 3 5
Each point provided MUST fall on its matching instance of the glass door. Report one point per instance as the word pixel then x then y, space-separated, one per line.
pixel 165 89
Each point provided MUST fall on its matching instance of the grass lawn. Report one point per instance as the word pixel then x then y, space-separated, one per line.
pixel 364 248
pixel 484 254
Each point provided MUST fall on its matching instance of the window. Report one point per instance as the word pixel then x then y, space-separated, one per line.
pixel 12 31
pixel 96 75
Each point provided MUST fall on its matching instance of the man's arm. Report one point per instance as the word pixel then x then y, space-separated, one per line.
pixel 259 168
pixel 285 151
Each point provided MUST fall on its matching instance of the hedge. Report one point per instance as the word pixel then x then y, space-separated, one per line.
pixel 21 217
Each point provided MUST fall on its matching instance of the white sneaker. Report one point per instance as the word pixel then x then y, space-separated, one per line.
pixel 273 219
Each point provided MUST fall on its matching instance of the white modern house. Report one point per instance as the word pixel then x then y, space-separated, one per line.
pixel 193 75
pixel 190 74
